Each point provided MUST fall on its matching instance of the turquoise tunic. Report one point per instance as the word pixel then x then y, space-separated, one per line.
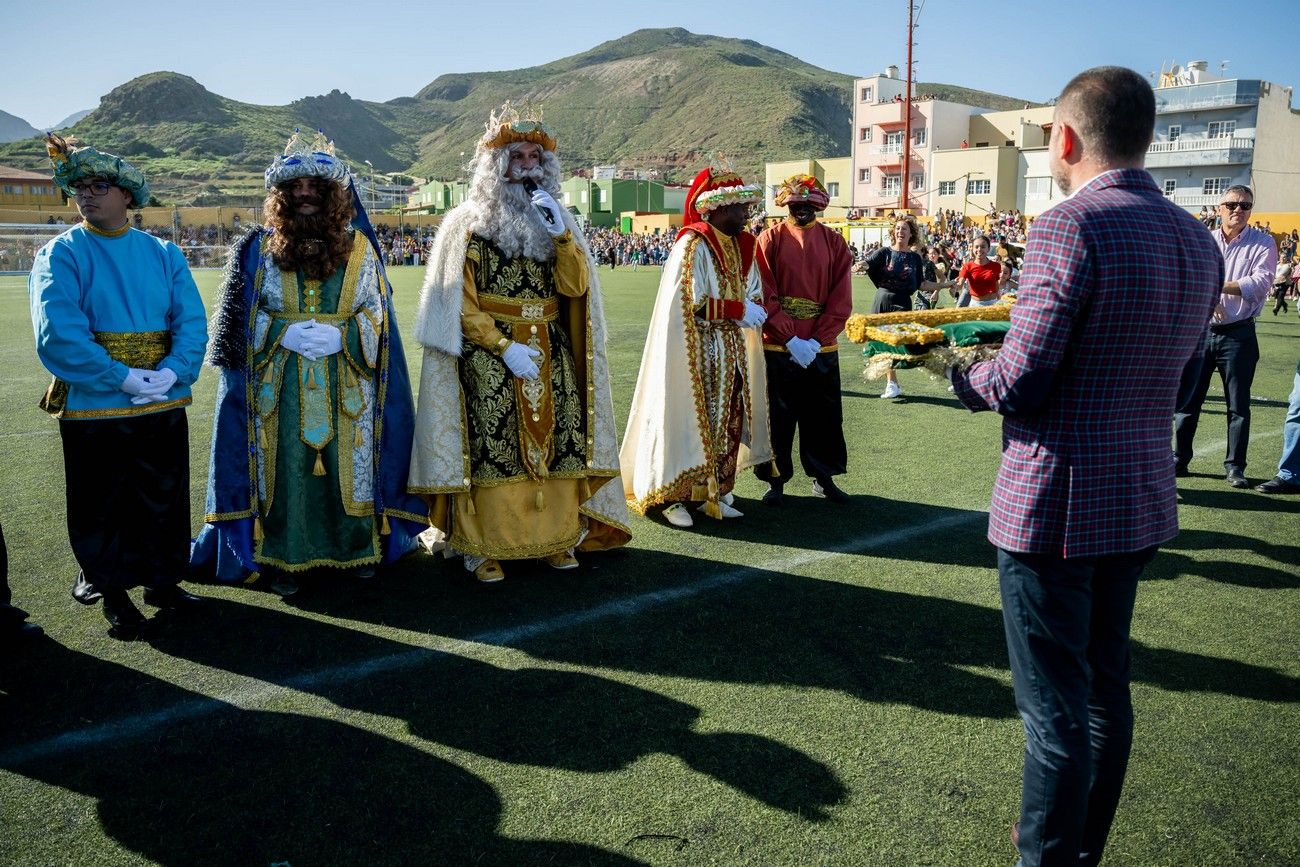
pixel 84 284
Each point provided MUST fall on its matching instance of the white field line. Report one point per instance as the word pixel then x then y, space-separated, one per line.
pixel 257 693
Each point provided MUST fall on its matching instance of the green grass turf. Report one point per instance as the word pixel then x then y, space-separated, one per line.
pixel 838 695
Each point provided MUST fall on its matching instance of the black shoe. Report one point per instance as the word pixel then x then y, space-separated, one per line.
pixel 124 619
pixel 1278 485
pixel 170 596
pixel 775 496
pixel 827 488
pixel 85 592
pixel 1237 480
pixel 23 633
pixel 1181 471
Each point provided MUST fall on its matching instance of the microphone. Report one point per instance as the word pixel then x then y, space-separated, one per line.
pixel 531 186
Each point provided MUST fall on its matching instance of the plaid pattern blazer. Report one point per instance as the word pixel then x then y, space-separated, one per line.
pixel 1116 289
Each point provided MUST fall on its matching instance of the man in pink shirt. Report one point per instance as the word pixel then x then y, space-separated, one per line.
pixel 1231 348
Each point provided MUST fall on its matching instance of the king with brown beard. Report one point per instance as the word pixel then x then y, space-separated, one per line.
pixel 313 430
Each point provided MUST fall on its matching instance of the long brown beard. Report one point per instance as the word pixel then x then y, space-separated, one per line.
pixel 319 244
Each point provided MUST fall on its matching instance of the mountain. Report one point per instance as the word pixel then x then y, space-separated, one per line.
pixel 71 119
pixel 13 128
pixel 654 99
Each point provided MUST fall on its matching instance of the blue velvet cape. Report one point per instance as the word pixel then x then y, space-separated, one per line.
pixel 224 547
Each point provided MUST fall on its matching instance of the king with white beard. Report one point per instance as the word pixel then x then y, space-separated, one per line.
pixel 514 430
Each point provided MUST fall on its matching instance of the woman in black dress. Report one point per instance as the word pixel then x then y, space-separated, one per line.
pixel 898 271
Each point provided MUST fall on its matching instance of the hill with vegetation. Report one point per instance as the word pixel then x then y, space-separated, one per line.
pixel 14 128
pixel 654 99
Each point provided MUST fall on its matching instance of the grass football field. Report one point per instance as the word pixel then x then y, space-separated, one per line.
pixel 809 685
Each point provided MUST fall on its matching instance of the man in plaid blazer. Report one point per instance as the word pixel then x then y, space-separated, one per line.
pixel 1115 292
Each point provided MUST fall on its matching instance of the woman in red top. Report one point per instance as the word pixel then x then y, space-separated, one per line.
pixel 982 276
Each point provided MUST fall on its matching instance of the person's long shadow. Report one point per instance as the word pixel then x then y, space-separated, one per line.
pixel 529 716
pixel 436 596
pixel 227 786
pixel 766 627
pixel 1233 500
pixel 1173 562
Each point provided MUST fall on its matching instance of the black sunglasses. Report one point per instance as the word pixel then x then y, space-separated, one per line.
pixel 1232 206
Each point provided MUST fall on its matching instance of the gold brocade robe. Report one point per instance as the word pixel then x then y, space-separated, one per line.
pixel 528 443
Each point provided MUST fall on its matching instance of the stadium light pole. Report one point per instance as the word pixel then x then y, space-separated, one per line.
pixel 372 185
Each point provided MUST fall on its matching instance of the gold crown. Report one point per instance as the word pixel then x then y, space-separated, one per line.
pixel 510 124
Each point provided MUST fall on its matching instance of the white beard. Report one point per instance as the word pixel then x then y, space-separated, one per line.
pixel 503 212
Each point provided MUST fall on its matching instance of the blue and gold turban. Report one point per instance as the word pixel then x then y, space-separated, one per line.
pixel 76 164
pixel 301 160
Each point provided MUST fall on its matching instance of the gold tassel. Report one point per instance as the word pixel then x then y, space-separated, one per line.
pixel 267 377
pixel 776 474
pixel 319 469
pixel 257 529
pixel 540 500
pixel 311 377
pixel 699 492
pixel 712 509
pixel 713 488
pixel 384 529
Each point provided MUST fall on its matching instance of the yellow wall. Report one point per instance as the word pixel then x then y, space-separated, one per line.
pixel 646 224
pixel 1022 126
pixel 162 217
pixel 24 197
pixel 998 165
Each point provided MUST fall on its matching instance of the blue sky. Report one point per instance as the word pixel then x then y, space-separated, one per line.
pixel 273 53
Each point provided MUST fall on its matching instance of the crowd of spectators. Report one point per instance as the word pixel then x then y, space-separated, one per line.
pixel 406 245
pixel 613 248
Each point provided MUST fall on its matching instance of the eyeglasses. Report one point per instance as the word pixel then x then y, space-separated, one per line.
pixel 1232 206
pixel 94 188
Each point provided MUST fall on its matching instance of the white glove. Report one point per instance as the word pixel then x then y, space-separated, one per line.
pixel 802 351
pixel 137 384
pixel 157 384
pixel 297 337
pixel 323 340
pixel 754 316
pixel 543 200
pixel 521 360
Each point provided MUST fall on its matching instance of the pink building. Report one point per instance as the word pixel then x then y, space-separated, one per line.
pixel 879 127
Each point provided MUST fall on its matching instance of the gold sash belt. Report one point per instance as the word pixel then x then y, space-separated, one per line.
pixel 141 349
pixel 800 308
pixel 515 310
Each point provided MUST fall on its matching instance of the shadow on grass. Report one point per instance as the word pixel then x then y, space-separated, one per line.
pixel 766 627
pixel 248 787
pixel 1173 563
pixel 529 716
pixel 1237 500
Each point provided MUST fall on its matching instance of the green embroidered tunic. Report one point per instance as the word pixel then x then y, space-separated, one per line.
pixel 306 524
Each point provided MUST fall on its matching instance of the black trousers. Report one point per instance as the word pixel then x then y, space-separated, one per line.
pixel 808 399
pixel 1067 628
pixel 128 496
pixel 1233 351
pixel 10 617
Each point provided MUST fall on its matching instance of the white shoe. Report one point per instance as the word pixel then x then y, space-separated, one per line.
pixel 727 510
pixel 952 389
pixel 728 498
pixel 679 516
pixel 892 390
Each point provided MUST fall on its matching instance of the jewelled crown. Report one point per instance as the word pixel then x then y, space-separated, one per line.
pixel 510 124
pixel 303 160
